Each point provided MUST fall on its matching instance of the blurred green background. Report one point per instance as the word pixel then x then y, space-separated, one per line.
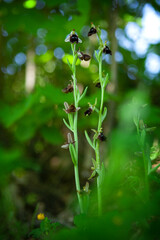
pixel 36 175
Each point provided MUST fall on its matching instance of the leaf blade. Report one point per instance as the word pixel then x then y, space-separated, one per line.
pixel 89 140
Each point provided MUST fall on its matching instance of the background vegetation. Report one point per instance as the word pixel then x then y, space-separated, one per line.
pixel 36 175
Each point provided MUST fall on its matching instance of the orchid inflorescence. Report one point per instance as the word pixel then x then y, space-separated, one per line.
pixel 72 111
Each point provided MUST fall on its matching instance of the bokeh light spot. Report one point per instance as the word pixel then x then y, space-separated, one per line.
pixel 30 3
pixel 20 58
pixel 11 69
pixel 132 71
pixel 49 66
pixel 140 47
pixel 104 35
pixel 41 32
pixel 132 30
pixel 152 63
pixel 58 53
pixel 40 4
pixel 118 57
pixel 41 49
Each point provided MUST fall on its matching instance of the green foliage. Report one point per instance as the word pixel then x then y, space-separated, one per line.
pixel 89 140
pixel 34 172
pixel 46 229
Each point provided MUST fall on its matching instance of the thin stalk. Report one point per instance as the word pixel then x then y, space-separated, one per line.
pixel 78 188
pixel 99 192
pixel 102 93
pixel 77 182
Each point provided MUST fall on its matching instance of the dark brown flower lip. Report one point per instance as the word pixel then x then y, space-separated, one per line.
pixel 107 50
pixel 70 108
pixel 68 89
pixel 84 56
pixel 101 137
pixel 98 85
pixel 73 38
pixel 88 111
pixel 92 31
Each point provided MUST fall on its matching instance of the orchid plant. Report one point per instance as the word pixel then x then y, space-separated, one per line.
pixel 72 112
pixel 98 167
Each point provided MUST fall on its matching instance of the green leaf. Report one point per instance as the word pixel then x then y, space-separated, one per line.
pixel 150 129
pixel 96 110
pixel 73 153
pixel 106 80
pixel 96 55
pixel 67 125
pixel 104 114
pixel 83 94
pixel 70 66
pixel 93 174
pixel 70 118
pixel 94 163
pixel 89 140
pixel 154 169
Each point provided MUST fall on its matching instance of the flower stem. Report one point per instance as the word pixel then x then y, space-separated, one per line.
pixel 77 182
pixel 102 93
pixel 99 190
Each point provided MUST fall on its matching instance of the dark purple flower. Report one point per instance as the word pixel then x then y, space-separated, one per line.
pixel 101 137
pixel 68 89
pixel 73 38
pixel 70 108
pixel 106 50
pixel 98 85
pixel 88 111
pixel 83 56
pixel 92 31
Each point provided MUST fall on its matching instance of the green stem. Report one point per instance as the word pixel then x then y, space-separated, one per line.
pixel 77 182
pixel 99 191
pixel 78 188
pixel 102 95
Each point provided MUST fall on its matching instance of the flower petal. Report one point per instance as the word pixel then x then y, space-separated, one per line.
pixel 79 40
pixel 67 39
